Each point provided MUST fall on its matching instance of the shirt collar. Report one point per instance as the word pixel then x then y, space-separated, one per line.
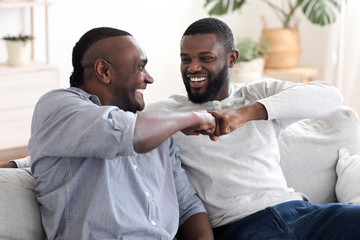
pixel 92 98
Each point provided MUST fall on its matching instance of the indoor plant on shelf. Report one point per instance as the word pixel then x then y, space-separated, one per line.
pixel 251 61
pixel 18 49
pixel 284 42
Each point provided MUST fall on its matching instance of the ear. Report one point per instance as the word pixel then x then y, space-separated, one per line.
pixel 102 71
pixel 233 57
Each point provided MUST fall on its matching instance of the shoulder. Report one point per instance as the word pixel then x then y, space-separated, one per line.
pixel 61 97
pixel 258 89
pixel 60 102
pixel 60 93
pixel 172 103
pixel 264 88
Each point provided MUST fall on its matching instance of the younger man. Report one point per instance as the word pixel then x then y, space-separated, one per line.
pixel 239 177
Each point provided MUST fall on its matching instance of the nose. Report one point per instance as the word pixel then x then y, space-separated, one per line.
pixel 194 66
pixel 148 79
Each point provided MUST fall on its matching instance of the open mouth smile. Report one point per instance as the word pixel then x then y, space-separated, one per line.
pixel 197 79
pixel 197 82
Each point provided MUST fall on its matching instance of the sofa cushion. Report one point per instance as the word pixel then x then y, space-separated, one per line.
pixel 348 171
pixel 309 152
pixel 19 210
pixel 18 176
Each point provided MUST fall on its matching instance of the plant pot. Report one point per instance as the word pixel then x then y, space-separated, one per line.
pixel 285 50
pixel 248 71
pixel 19 52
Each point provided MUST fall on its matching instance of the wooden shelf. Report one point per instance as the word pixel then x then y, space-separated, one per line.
pixel 19 92
pixel 22 4
pixel 14 153
pixel 6 70
pixel 4 4
pixel 21 87
pixel 305 73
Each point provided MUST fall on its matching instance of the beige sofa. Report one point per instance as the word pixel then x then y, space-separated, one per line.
pixel 309 156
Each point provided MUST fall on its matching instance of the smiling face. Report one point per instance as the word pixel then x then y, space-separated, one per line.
pixel 129 76
pixel 115 67
pixel 205 67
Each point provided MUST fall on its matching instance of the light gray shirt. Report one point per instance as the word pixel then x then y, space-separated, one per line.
pixel 91 184
pixel 240 173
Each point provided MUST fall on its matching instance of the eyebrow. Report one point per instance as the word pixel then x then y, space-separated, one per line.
pixel 140 60
pixel 205 52
pixel 144 61
pixel 201 53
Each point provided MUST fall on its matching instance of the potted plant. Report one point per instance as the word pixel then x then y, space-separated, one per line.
pixel 18 49
pixel 251 61
pixel 284 42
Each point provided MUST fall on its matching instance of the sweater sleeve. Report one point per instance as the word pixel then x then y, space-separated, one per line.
pixel 22 162
pixel 288 102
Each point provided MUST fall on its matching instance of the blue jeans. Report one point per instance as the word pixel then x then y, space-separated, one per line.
pixel 299 220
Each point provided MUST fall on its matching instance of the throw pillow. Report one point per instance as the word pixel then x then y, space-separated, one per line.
pixel 348 171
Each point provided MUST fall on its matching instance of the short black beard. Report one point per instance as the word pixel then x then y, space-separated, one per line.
pixel 212 89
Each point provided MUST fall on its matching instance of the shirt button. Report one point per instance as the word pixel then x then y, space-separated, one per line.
pixel 153 223
pixel 134 166
pixel 147 194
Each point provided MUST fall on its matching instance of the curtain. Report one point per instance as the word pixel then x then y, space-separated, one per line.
pixel 343 66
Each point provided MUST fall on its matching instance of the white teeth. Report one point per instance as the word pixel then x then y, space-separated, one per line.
pixel 140 90
pixel 197 79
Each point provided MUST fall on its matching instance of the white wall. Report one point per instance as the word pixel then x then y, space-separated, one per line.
pixel 157 24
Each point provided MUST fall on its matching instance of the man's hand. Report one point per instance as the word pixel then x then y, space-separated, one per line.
pixel 229 120
pixel 205 124
pixel 10 164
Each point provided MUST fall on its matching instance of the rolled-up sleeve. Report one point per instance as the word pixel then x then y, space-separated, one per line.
pixel 67 124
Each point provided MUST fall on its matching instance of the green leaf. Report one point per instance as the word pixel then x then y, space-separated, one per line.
pixel 321 12
pixel 221 7
pixel 20 37
pixel 250 49
pixel 237 4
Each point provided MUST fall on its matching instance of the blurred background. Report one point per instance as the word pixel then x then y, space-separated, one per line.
pixel 159 24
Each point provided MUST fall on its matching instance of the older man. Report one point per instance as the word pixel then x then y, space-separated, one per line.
pixel 104 170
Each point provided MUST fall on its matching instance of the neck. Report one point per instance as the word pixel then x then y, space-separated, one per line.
pixel 224 92
pixel 94 89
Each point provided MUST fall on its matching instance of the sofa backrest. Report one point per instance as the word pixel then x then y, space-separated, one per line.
pixel 309 152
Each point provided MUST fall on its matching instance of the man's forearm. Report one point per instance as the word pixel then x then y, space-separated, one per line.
pixel 153 128
pixel 255 111
pixel 197 227
pixel 308 100
pixel 10 164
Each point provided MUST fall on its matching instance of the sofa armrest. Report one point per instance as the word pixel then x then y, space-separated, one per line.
pixel 19 210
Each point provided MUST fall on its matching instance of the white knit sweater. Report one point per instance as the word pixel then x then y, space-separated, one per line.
pixel 240 173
